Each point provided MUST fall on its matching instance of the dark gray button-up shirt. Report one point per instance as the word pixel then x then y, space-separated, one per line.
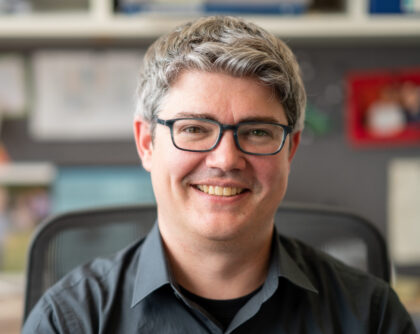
pixel 305 292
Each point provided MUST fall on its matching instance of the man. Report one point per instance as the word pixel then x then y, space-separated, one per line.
pixel 219 116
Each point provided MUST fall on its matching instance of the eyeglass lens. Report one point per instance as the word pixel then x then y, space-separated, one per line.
pixel 202 135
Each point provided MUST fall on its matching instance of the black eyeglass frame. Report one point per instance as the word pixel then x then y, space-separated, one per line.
pixel 222 128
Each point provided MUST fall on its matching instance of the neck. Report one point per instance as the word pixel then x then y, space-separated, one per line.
pixel 218 269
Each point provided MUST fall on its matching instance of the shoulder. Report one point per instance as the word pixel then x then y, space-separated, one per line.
pixel 355 293
pixel 85 293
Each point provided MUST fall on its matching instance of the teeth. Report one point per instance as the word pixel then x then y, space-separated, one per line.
pixel 227 191
pixel 211 190
pixel 219 191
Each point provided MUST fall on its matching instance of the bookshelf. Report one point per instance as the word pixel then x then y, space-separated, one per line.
pixel 100 21
pixel 100 27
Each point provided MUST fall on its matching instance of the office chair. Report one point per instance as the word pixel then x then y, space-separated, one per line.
pixel 67 240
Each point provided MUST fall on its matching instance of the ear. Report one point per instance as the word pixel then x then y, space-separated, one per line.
pixel 143 137
pixel 295 138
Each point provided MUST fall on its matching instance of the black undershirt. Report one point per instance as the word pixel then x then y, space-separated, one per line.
pixel 223 310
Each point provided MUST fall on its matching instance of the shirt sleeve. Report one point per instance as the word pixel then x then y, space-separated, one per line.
pixel 40 320
pixel 393 317
pixel 47 317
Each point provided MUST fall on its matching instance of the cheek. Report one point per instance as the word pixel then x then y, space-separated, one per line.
pixel 273 175
pixel 170 165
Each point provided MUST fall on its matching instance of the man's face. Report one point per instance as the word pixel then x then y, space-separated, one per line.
pixel 177 176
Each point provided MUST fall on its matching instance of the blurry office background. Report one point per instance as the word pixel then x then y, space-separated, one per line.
pixel 67 81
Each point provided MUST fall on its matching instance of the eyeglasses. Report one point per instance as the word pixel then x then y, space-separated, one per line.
pixel 203 135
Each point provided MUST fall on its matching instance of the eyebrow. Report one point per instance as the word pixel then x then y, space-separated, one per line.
pixel 194 115
pixel 267 119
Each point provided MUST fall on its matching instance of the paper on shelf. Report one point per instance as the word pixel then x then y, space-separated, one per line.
pixel 404 210
pixel 12 84
pixel 84 95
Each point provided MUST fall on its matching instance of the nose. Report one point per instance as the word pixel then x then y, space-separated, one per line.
pixel 226 156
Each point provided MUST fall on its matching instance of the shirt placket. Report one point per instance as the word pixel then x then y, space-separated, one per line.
pixel 201 314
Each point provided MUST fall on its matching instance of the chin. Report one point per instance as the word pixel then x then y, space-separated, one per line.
pixel 222 230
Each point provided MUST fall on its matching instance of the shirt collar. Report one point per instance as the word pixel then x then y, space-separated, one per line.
pixel 153 270
pixel 287 267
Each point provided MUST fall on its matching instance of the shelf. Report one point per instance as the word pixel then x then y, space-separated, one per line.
pixel 100 22
pixel 27 173
pixel 329 25
pixel 83 26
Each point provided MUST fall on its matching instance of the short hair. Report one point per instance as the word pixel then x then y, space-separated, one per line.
pixel 227 45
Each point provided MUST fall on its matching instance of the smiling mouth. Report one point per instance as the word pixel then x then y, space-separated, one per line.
pixel 220 191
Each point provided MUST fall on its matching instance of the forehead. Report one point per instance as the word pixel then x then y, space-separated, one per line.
pixel 222 97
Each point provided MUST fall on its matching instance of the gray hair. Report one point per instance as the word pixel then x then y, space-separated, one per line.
pixel 222 44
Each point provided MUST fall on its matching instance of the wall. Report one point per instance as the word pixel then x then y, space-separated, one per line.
pixel 327 169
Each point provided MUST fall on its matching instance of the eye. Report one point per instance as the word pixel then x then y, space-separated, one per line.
pixel 192 129
pixel 259 133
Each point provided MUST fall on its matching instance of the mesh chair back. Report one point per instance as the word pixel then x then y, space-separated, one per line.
pixel 344 235
pixel 65 241
pixel 68 240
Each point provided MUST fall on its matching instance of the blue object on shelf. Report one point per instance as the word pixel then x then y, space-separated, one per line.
pixel 249 8
pixel 167 7
pixel 385 7
pixel 83 187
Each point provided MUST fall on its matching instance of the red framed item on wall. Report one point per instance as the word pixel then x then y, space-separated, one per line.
pixel 383 108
